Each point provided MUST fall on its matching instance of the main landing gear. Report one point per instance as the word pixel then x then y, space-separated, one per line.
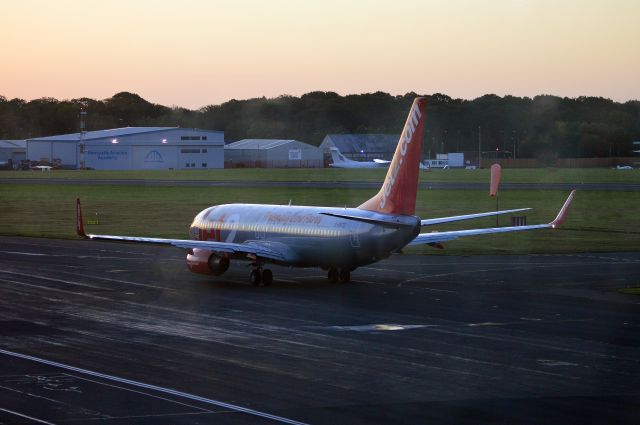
pixel 258 276
pixel 334 274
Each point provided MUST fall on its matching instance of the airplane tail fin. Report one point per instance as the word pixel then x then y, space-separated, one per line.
pixel 337 156
pixel 400 187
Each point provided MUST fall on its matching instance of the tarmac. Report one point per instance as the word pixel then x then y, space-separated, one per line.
pixel 94 332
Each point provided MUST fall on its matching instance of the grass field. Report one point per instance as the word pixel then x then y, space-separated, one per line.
pixel 630 291
pixel 598 221
pixel 511 175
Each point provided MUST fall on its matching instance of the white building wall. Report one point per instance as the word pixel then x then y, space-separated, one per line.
pixel 295 154
pixel 67 152
pixel 39 150
pixel 102 157
pixel 456 159
pixel 15 154
pixel 170 149
pixel 292 154
pixel 48 151
pixel 154 157
pixel 198 156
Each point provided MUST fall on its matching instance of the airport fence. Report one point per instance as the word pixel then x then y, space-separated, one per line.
pixel 561 162
pixel 311 163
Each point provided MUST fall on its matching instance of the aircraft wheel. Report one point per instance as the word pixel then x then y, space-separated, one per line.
pixel 255 277
pixel 333 275
pixel 267 277
pixel 345 275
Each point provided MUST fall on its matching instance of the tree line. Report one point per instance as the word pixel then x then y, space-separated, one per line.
pixel 541 126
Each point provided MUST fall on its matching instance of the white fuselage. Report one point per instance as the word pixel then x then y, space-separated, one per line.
pixel 358 164
pixel 340 161
pixel 311 236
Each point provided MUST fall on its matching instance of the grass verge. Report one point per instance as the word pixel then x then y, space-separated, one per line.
pixel 598 222
pixel 630 291
pixel 512 175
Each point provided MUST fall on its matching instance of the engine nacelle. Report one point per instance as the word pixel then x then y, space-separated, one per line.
pixel 204 261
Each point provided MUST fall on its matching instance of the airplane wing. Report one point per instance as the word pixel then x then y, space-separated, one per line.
pixel 437 237
pixel 432 221
pixel 381 161
pixel 270 250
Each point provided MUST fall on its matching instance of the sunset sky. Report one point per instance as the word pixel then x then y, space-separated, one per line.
pixel 194 53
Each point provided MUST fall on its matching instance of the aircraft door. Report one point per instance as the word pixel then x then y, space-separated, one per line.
pixel 260 233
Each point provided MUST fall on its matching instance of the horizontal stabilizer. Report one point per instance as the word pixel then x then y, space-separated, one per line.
pixel 432 221
pixel 390 222
pixel 437 237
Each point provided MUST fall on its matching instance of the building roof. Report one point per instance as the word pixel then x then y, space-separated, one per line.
pixel 103 134
pixel 114 132
pixel 260 143
pixel 13 144
pixel 362 143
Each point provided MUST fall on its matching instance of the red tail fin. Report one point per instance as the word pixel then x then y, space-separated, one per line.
pixel 398 193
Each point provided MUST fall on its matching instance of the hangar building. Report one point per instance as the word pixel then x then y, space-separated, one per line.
pixel 12 151
pixel 270 153
pixel 133 148
pixel 361 147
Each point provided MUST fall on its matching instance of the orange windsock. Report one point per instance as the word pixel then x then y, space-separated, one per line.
pixel 496 172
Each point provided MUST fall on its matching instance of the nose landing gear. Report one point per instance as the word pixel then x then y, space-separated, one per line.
pixel 345 275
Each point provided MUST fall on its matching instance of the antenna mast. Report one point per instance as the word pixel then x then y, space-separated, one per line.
pixel 83 114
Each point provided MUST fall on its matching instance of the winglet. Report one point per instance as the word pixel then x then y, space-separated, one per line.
pixel 563 211
pixel 79 221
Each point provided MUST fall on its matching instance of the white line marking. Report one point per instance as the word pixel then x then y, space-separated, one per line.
pixel 140 392
pixel 40 421
pixel 164 288
pixel 366 281
pixel 32 254
pixel 280 280
pixel 153 387
pixel 128 282
pixel 51 279
pixel 29 394
pixel 503 269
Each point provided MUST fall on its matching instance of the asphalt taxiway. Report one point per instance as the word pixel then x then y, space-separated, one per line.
pixel 124 334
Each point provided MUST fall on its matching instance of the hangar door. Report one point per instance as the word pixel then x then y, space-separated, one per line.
pixel 66 152
pixel 39 151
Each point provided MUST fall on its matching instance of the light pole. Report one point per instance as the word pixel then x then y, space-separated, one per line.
pixel 479 147
pixel 83 114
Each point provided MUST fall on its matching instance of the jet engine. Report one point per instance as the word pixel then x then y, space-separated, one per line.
pixel 206 262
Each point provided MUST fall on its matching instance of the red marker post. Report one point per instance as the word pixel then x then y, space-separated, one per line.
pixel 496 173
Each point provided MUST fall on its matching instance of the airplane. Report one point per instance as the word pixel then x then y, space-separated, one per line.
pixel 336 239
pixel 339 161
